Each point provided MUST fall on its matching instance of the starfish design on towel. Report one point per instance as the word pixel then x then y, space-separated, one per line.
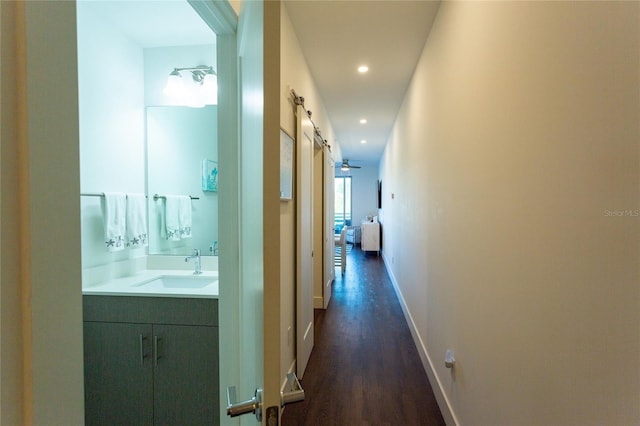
pixel 110 243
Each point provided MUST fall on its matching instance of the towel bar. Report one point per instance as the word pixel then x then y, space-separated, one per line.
pixel 155 196
pixel 93 194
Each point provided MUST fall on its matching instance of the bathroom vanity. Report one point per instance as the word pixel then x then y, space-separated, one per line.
pixel 151 350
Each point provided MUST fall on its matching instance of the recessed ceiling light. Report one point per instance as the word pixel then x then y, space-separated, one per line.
pixel 362 69
pixel 363 121
pixel 363 141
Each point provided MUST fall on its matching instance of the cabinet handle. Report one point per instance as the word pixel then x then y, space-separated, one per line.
pixel 142 354
pixel 156 339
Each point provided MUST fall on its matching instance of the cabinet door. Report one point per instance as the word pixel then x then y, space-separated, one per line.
pixel 186 375
pixel 118 374
pixel 370 236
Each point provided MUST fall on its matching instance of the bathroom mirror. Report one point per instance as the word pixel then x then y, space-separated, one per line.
pixel 179 139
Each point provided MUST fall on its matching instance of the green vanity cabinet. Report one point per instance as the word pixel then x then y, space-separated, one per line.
pixel 118 386
pixel 151 360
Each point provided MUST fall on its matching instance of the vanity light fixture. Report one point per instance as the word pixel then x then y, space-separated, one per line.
pixel 363 141
pixel 198 74
pixel 363 121
pixel 363 69
pixel 200 91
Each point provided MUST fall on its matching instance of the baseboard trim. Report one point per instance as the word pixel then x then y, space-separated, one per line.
pixel 436 385
pixel 318 302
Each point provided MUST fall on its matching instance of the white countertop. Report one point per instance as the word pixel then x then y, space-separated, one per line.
pixel 138 285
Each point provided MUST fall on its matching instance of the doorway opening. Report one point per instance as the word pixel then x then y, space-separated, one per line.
pixel 342 213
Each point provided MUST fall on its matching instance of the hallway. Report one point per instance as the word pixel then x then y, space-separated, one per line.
pixel 364 368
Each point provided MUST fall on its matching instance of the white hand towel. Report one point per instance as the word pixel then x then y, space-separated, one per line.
pixel 113 214
pixel 136 220
pixel 172 217
pixel 185 216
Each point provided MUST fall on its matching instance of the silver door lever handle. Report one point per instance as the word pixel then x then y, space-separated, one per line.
pixel 253 405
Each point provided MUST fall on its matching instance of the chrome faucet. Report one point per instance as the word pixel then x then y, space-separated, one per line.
pixel 196 258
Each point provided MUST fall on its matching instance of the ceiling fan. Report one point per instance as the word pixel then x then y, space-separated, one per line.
pixel 346 166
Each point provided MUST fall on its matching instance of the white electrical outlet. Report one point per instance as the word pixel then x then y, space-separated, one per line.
pixel 449 359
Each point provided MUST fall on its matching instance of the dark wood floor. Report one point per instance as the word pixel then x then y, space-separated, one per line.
pixel 364 368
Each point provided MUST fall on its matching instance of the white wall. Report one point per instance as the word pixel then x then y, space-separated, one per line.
pixel 12 347
pixel 41 313
pixel 111 101
pixel 512 233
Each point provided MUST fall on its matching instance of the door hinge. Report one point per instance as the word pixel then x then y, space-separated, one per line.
pixel 273 416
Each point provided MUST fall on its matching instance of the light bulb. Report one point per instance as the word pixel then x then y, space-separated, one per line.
pixel 210 89
pixel 193 95
pixel 174 84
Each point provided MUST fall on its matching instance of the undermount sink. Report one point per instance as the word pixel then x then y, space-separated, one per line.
pixel 183 281
pixel 156 283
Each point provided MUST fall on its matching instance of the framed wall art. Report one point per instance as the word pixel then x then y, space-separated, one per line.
pixel 286 166
pixel 209 175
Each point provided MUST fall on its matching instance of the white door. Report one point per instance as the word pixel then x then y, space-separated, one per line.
pixel 304 275
pixel 242 268
pixel 329 239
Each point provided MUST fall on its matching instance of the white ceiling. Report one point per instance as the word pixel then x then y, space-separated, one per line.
pixel 155 23
pixel 336 36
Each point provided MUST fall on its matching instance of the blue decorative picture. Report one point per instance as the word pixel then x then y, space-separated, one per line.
pixel 209 175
